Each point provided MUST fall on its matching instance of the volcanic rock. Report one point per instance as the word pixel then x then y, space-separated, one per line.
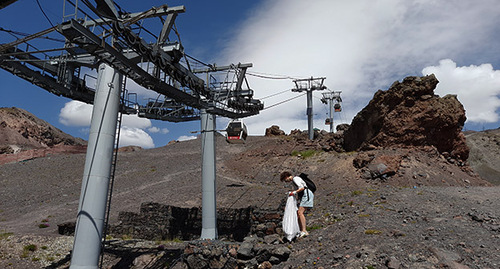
pixel 409 114
pixel 21 130
pixel 274 131
pixel 484 157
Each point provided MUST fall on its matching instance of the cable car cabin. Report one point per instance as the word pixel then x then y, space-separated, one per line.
pixel 236 132
pixel 337 108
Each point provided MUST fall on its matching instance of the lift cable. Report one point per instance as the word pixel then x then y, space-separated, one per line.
pixel 198 61
pixel 272 178
pixel 93 9
pixel 287 100
pixel 180 42
pixel 269 76
pixel 287 90
pixel 41 9
pixel 14 33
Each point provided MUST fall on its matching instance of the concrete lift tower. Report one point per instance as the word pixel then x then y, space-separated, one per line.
pixel 309 85
pixel 333 100
pixel 115 43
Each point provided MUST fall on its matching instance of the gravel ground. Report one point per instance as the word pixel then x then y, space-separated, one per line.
pixel 431 214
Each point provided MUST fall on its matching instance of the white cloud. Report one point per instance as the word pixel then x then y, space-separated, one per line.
pixel 359 46
pixel 186 137
pixel 477 88
pixel 75 113
pixel 155 129
pixel 134 121
pixel 130 136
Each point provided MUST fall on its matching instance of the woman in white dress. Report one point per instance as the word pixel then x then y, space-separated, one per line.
pixel 305 195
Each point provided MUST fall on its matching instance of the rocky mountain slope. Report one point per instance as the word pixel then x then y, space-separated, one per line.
pixel 401 205
pixel 484 156
pixel 21 130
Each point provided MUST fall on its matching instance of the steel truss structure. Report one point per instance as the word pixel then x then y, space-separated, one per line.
pixel 114 44
pixel 309 85
pixel 119 40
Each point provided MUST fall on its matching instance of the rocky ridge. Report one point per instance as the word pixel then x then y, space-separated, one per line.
pixel 24 136
pixel 484 158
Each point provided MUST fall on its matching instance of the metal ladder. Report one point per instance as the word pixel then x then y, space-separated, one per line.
pixel 123 101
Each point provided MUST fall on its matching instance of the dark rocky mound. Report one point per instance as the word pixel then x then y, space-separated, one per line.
pixel 410 114
pixel 274 131
pixel 21 130
pixel 484 156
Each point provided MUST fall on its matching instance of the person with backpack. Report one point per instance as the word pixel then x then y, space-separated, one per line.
pixel 304 194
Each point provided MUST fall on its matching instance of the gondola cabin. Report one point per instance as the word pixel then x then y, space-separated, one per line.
pixel 236 132
pixel 337 107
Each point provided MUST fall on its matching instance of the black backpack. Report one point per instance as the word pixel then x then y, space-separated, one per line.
pixel 310 184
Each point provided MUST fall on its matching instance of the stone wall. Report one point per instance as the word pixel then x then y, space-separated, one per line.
pixel 161 222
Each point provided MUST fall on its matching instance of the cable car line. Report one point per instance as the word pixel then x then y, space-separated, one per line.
pixel 275 94
pixel 282 102
pixel 269 76
pixel 281 165
pixel 41 9
pixel 271 179
pixel 13 33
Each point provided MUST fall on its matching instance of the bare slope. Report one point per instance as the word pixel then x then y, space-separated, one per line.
pixel 21 130
pixel 403 208
pixel 485 154
pixel 246 175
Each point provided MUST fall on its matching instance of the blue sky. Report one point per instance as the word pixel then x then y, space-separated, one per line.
pixel 359 46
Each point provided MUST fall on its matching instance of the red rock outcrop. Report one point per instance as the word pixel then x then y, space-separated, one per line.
pixel 410 114
pixel 21 130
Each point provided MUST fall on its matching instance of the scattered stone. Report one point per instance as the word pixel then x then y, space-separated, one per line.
pixel 281 252
pixel 393 263
pixel 66 228
pixel 265 265
pixel 245 251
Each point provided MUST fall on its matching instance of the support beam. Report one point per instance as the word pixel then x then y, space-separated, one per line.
pixel 107 9
pixel 156 12
pixel 208 182
pixel 167 26
pixel 309 85
pixel 97 171
pixel 309 113
pixel 330 102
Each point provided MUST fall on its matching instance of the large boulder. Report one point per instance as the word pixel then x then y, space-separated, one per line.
pixel 410 114
pixel 274 131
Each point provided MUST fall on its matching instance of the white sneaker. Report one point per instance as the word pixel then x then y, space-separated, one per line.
pixel 303 234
